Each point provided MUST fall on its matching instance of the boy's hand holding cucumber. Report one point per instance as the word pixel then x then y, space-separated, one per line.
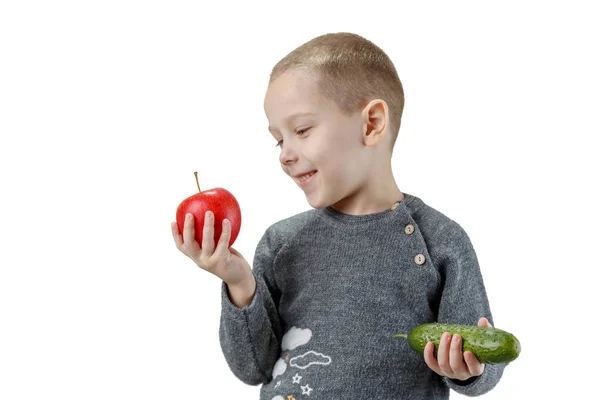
pixel 461 351
pixel 451 361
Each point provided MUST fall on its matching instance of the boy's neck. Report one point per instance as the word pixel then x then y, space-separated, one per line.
pixel 374 196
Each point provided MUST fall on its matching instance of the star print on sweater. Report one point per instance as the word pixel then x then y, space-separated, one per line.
pixel 296 378
pixel 306 389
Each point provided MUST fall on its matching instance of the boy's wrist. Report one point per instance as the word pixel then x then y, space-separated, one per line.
pixel 242 293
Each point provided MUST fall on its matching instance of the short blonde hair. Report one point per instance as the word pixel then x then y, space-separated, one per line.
pixel 351 71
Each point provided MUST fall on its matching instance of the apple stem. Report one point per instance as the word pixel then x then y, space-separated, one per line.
pixel 197 183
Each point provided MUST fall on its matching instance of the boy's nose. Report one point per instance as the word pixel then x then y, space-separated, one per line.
pixel 287 156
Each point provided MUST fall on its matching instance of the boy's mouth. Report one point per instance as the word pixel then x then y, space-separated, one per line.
pixel 305 178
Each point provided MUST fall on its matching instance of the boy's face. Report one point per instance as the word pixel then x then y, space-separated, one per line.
pixel 321 147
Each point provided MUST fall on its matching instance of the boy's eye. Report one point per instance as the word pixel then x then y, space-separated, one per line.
pixel 298 132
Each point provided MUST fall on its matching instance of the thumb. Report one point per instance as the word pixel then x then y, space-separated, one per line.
pixel 483 321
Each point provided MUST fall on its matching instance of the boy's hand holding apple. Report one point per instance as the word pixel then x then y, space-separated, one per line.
pixel 215 257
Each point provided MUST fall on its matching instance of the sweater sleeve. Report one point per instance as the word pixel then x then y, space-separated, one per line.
pixel 464 301
pixel 250 336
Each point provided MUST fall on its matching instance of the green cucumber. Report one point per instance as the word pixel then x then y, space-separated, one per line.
pixel 490 345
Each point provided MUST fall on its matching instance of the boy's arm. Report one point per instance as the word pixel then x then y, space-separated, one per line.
pixel 250 334
pixel 464 301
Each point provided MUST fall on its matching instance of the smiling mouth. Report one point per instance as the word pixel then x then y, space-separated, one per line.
pixel 306 176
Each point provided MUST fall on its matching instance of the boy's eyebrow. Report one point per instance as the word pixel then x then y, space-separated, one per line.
pixel 296 115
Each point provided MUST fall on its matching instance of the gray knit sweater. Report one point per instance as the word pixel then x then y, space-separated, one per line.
pixel 332 290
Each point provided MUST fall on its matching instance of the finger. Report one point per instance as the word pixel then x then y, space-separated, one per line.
pixel 483 321
pixel 430 359
pixel 208 234
pixel 443 354
pixel 473 365
pixel 189 230
pixel 176 235
pixel 457 364
pixel 223 245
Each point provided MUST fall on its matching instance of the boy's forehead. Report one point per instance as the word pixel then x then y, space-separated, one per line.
pixel 290 94
pixel 288 89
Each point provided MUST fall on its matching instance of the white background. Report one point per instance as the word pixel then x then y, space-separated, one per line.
pixel 107 108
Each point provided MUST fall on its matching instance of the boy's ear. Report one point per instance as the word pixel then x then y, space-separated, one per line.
pixel 374 116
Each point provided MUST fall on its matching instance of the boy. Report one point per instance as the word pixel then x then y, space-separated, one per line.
pixel 329 287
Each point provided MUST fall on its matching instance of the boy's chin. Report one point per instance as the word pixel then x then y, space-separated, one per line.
pixel 316 203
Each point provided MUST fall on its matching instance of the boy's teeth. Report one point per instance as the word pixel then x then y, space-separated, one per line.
pixel 304 177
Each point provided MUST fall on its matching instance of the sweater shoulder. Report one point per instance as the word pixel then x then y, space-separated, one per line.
pixel 442 233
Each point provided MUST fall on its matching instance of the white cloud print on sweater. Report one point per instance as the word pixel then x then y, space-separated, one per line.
pixel 292 339
pixel 279 368
pixel 310 358
pixel 295 337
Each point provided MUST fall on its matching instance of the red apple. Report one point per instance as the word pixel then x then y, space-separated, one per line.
pixel 222 204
